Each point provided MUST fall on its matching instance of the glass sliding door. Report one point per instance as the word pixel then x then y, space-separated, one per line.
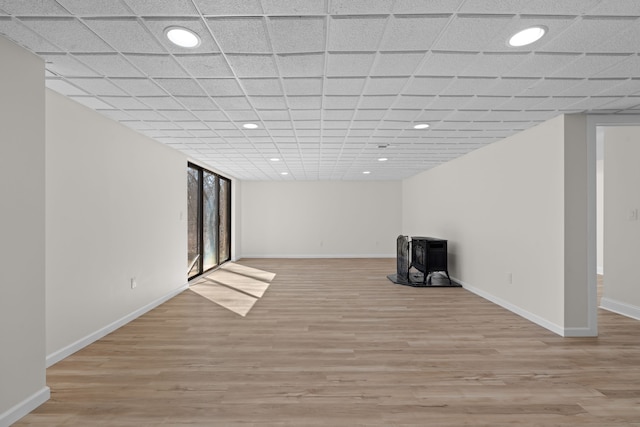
pixel 224 251
pixel 193 221
pixel 209 220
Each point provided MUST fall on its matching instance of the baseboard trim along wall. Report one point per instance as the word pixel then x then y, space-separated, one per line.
pixel 57 356
pixel 557 329
pixel 23 408
pixel 327 256
pixel 622 308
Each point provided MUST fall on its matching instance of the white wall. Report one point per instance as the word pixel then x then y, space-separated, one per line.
pixel 22 235
pixel 621 292
pixel 502 208
pixel 320 218
pixel 116 209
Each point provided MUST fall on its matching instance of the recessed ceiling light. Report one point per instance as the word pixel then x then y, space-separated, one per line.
pixel 382 159
pixel 275 159
pixel 366 172
pixel 182 37
pixel 527 36
pixel 284 173
pixel 421 126
pixel 250 126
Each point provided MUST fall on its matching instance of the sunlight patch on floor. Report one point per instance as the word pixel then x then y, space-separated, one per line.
pixel 235 287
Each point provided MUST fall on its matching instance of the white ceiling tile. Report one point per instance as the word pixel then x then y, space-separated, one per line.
pixel 467 33
pixel 615 8
pixel 304 102
pixel 624 88
pixel 355 33
pixel 297 34
pixel 162 7
pixel 110 64
pixel 66 65
pixel 455 102
pixel 301 65
pixel 378 101
pixel 490 64
pixel 625 41
pixel 194 126
pixel 32 8
pixel 253 65
pixel 232 103
pixel 538 7
pixel 428 85
pixel 160 102
pixel 430 116
pixel 396 63
pixel 340 102
pixel 500 87
pixel 302 86
pixel 98 87
pixel 625 68
pixel 221 87
pixel 591 65
pixel 414 101
pixel 209 115
pixel 421 6
pixel 592 87
pixel 91 102
pixel 446 63
pixel 585 34
pixel 67 33
pixel 229 7
pixel 546 87
pixel 360 7
pixel 178 115
pixel 139 87
pixel 26 37
pixel 344 86
pixel 125 35
pixel 157 65
pixel 63 87
pixel 486 102
pixel 197 102
pixel 519 103
pixel 240 35
pixel 541 65
pixel 158 26
pixel 150 116
pixel 95 7
pixel 293 7
pixel 268 102
pixel 274 115
pixel 385 85
pixel 261 86
pixel 278 124
pixel 181 87
pixel 349 64
pixel 403 115
pixel 410 32
pixel 210 65
pixel 338 115
pixel 369 114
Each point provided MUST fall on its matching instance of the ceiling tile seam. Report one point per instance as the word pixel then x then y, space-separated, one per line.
pixel 223 54
pixel 267 28
pixel 420 64
pixel 360 96
pixel 325 64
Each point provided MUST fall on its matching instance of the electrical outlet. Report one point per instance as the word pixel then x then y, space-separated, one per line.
pixel 133 283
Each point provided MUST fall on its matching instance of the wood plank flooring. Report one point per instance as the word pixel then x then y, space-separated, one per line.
pixel 334 343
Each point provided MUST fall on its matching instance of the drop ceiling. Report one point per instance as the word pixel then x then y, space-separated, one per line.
pixel 334 85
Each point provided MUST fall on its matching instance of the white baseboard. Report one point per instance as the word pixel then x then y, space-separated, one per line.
pixel 557 329
pixel 324 256
pixel 18 411
pixel 623 308
pixel 57 356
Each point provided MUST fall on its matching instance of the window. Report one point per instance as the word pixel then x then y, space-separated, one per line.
pixel 209 220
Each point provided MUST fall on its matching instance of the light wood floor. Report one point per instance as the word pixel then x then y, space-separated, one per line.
pixel 334 343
